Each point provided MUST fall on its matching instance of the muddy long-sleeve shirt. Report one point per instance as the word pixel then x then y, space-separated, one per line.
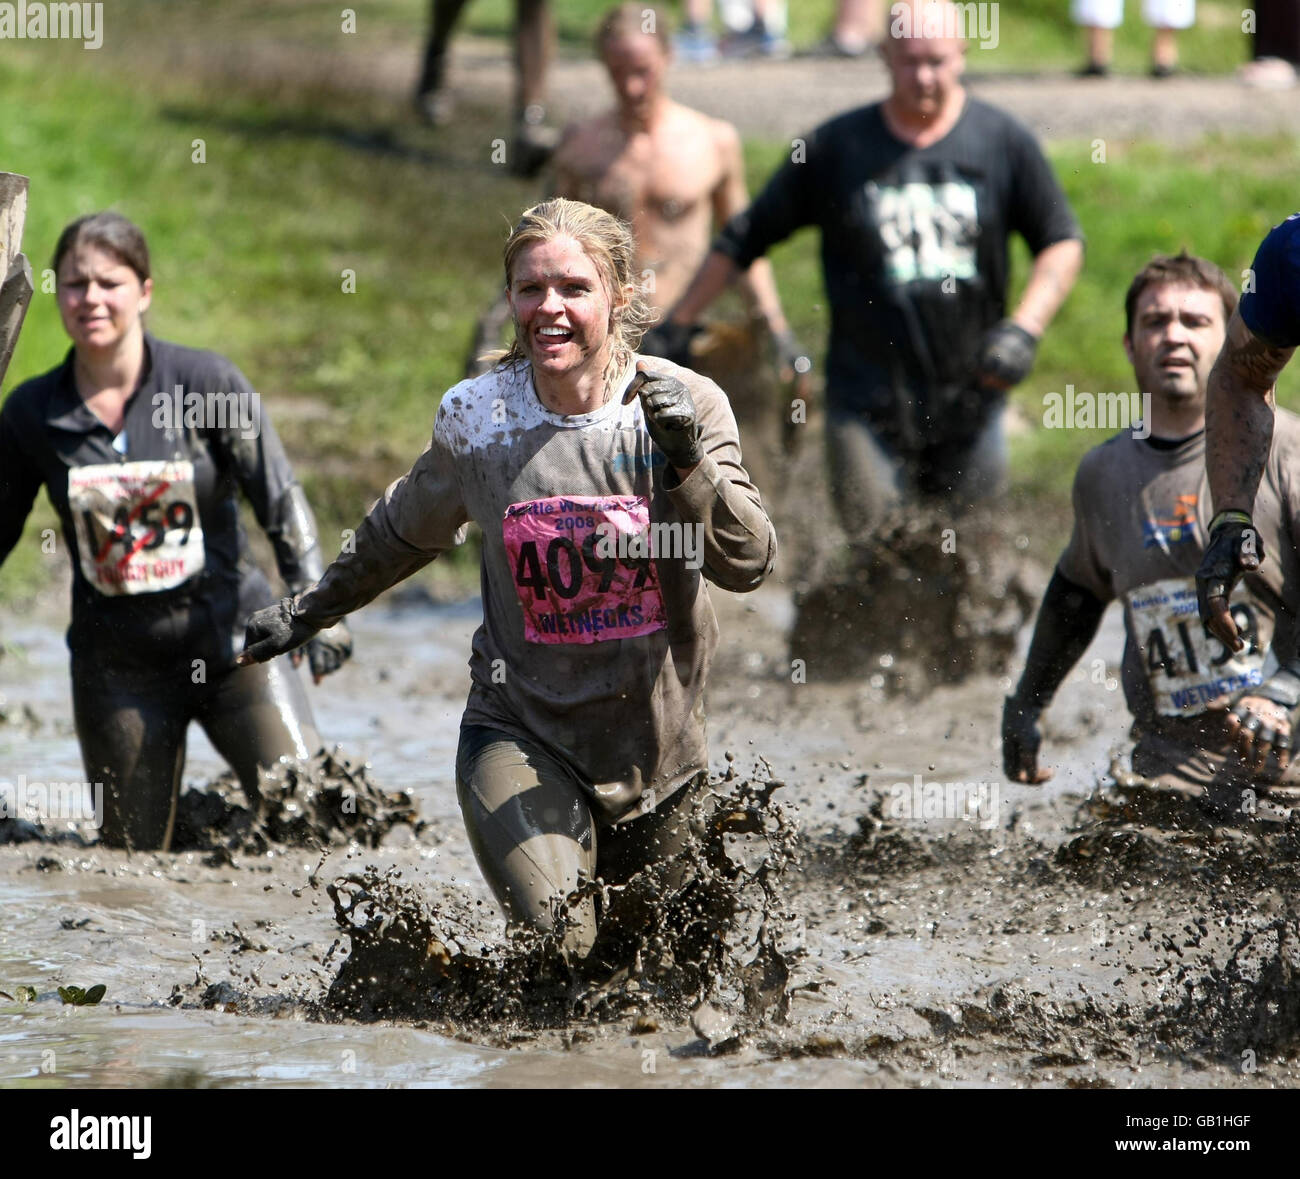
pixel 1141 508
pixel 160 561
pixel 597 629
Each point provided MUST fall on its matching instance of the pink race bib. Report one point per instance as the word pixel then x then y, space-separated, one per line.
pixel 571 584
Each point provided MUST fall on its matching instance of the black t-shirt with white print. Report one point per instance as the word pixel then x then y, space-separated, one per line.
pixel 914 250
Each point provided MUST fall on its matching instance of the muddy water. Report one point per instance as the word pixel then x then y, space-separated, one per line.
pixel 1030 942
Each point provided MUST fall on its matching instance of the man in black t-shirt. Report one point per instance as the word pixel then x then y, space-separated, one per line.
pixel 915 198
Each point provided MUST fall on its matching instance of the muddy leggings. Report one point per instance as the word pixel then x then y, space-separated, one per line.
pixel 132 722
pixel 869 478
pixel 532 831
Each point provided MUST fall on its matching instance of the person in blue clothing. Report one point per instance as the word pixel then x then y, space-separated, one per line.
pixel 142 447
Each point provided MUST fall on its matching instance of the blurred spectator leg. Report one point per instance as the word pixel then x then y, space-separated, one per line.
pixel 534 48
pixel 1099 19
pixel 695 43
pixel 1166 17
pixel 1277 45
pixel 432 99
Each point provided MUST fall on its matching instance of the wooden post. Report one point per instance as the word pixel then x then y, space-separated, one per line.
pixel 16 289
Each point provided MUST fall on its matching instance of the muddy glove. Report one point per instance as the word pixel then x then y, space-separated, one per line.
pixel 1020 742
pixel 795 369
pixel 274 630
pixel 1234 549
pixel 1006 356
pixel 672 341
pixel 1262 720
pixel 791 358
pixel 327 652
pixel 669 416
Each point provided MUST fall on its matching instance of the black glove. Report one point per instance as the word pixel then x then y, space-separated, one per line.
pixel 669 416
pixel 329 650
pixel 1006 355
pixel 1021 740
pixel 1235 548
pixel 274 630
pixel 671 340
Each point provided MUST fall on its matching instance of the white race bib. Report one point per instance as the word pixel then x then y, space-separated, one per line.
pixel 137 525
pixel 1186 667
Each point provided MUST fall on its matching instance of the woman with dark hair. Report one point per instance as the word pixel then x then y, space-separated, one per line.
pixel 608 491
pixel 142 446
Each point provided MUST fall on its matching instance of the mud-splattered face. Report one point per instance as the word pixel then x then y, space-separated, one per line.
pixel 101 299
pixel 1177 334
pixel 561 308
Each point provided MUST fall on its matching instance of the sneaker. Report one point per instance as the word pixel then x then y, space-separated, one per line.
pixel 695 47
pixel 1094 69
pixel 435 107
pixel 533 146
pixel 743 45
pixel 1268 73
pixel 1160 72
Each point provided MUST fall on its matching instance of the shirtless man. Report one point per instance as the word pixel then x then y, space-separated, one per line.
pixel 671 172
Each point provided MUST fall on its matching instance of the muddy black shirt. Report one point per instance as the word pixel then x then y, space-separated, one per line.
pixel 914 254
pixel 193 414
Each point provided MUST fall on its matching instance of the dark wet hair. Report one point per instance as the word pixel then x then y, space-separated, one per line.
pixel 629 19
pixel 1184 270
pixel 110 232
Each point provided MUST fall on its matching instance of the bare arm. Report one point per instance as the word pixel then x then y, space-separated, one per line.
pixel 758 284
pixel 1239 416
pixel 715 275
pixel 1054 273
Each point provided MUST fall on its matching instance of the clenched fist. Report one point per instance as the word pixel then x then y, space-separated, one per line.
pixel 669 415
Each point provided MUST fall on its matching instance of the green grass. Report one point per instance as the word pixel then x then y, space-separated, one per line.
pixel 249 249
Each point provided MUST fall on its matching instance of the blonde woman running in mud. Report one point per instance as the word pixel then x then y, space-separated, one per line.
pixel 609 489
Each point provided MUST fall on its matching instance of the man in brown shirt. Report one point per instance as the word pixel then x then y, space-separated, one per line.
pixel 1142 506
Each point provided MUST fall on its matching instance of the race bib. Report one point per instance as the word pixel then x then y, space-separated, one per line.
pixel 1186 667
pixel 137 525
pixel 572 583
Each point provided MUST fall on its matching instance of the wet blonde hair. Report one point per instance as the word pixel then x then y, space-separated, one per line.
pixel 608 242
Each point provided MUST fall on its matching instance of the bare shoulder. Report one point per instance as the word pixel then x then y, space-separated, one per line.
pixel 725 136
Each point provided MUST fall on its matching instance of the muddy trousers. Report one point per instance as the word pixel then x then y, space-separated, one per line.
pixel 532 830
pixel 132 722
pixel 870 478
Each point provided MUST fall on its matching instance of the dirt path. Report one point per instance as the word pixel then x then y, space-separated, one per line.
pixel 768 100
